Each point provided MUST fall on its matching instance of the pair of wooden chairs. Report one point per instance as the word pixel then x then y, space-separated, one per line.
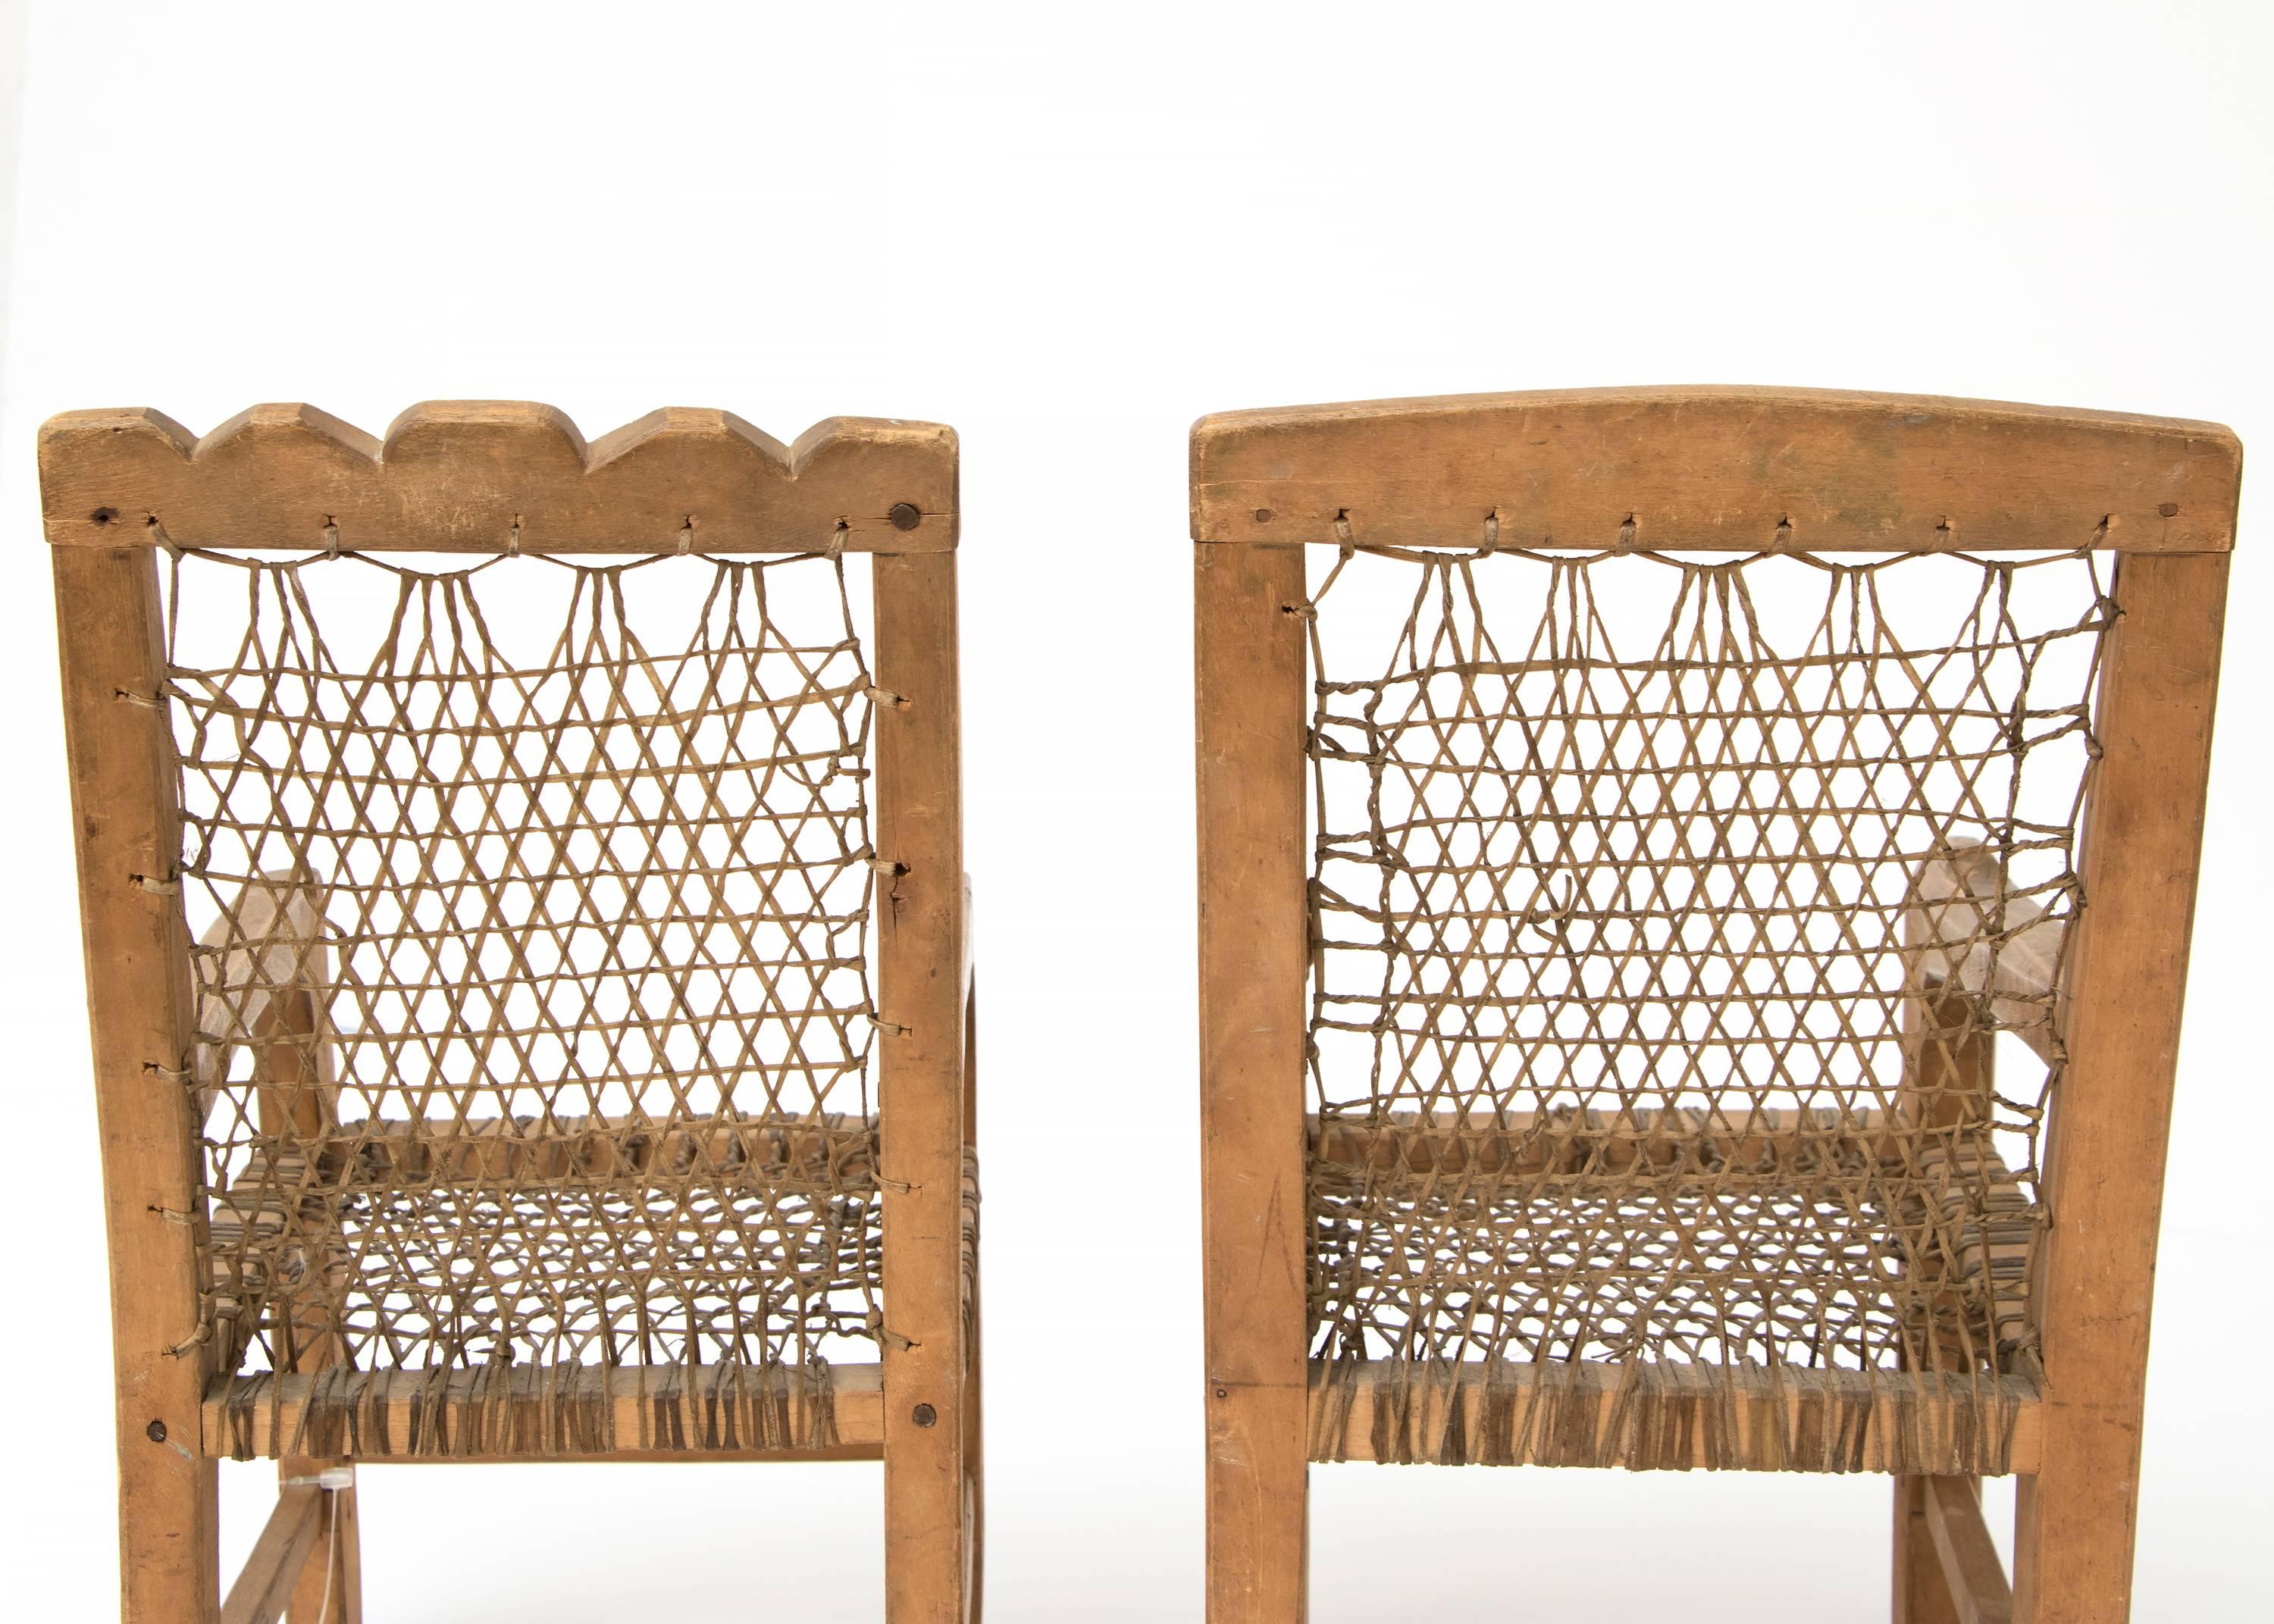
pixel 1695 893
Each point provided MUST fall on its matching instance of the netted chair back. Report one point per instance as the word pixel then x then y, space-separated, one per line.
pixel 1656 827
pixel 1641 885
pixel 532 901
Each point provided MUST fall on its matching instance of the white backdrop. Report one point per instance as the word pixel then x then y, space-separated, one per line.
pixel 1068 231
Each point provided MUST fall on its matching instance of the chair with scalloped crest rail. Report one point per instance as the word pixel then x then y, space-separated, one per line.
pixel 526 947
pixel 1695 896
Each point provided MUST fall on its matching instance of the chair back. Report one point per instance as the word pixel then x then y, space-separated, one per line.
pixel 513 872
pixel 1640 814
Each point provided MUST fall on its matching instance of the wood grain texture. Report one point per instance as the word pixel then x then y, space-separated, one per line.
pixel 1945 1082
pixel 921 1000
pixel 634 1411
pixel 140 1016
pixel 1675 1417
pixel 329 1590
pixel 2112 1109
pixel 1921 1595
pixel 279 1556
pixel 1251 721
pixel 458 476
pixel 1714 467
pixel 974 1463
pixel 1972 1577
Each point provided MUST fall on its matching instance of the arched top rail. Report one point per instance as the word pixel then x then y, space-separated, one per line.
pixel 1715 467
pixel 479 475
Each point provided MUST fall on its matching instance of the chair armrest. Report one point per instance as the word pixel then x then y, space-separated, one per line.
pixel 267 943
pixel 1966 934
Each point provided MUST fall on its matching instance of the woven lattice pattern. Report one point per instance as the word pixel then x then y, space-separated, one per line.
pixel 531 902
pixel 1627 944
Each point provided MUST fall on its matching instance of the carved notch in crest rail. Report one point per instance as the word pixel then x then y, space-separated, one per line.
pixel 460 476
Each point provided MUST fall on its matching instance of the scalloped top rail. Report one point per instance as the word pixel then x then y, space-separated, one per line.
pixel 1714 467
pixel 461 476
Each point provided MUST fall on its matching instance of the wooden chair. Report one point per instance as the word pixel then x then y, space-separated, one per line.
pixel 1702 783
pixel 478 962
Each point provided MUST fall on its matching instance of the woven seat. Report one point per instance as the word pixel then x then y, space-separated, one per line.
pixel 539 1010
pixel 496 1226
pixel 1696 1255
pixel 1672 834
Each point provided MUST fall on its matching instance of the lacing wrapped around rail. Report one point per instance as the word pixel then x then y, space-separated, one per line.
pixel 1662 906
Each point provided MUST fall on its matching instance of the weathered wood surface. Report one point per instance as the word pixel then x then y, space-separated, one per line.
pixel 2111 1113
pixel 278 1555
pixel 476 476
pixel 1714 467
pixel 524 1415
pixel 139 1016
pixel 1254 1025
pixel 1921 1595
pixel 1670 1417
pixel 329 1590
pixel 1971 1574
pixel 1956 914
pixel 921 999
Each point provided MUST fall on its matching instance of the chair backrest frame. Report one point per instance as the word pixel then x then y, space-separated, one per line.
pixel 1704 470
pixel 487 477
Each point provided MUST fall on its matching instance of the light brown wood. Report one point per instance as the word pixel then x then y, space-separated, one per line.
pixel 1714 467
pixel 484 478
pixel 1251 722
pixel 1736 1418
pixel 975 1473
pixel 1971 1574
pixel 296 1100
pixel 1946 1081
pixel 139 1009
pixel 920 999
pixel 1761 469
pixel 329 1590
pixel 1956 898
pixel 461 476
pixel 272 1415
pixel 2111 1111
pixel 1921 1596
pixel 278 1557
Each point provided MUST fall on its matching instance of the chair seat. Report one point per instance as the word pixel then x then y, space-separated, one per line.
pixel 1773 1289
pixel 581 1286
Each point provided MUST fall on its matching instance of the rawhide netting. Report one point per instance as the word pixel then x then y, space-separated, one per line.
pixel 531 904
pixel 1665 910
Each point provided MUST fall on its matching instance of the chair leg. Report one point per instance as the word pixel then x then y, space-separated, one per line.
pixel 1921 1594
pixel 975 1476
pixel 974 1489
pixel 2073 1533
pixel 329 1590
pixel 1258 1504
pixel 169 1529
